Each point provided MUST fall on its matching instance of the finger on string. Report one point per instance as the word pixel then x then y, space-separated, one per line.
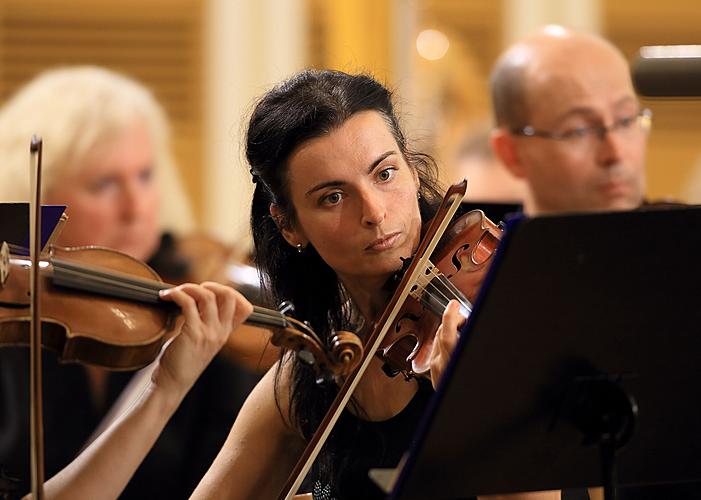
pixel 244 308
pixel 226 301
pixel 206 302
pixel 451 320
pixel 187 304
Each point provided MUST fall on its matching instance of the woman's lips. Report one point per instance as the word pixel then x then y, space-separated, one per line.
pixel 384 243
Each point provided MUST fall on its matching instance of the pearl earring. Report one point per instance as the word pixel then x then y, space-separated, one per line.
pixel 299 247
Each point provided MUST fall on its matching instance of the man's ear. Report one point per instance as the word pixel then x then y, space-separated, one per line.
pixel 505 148
pixel 290 234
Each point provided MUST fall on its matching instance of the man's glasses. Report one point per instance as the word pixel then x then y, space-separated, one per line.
pixel 626 126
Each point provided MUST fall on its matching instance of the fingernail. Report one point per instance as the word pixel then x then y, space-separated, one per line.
pixel 165 292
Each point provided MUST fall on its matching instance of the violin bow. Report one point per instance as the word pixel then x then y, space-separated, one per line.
pixel 35 390
pixel 445 213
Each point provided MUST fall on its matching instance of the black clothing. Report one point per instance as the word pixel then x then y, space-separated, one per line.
pixel 358 445
pixel 178 460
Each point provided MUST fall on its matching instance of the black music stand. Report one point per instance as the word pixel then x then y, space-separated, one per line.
pixel 14 224
pixel 580 316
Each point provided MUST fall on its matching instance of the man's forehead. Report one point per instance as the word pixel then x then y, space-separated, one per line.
pixel 554 87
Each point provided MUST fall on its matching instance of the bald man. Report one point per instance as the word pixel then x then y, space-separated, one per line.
pixel 568 122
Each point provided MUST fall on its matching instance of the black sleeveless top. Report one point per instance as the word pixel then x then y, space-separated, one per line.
pixel 356 446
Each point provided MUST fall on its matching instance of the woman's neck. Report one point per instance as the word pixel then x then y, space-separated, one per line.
pixel 368 295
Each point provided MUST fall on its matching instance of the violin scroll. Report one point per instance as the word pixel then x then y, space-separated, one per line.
pixel 332 363
pixel 347 348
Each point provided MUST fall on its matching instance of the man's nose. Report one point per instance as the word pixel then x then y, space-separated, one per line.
pixel 610 147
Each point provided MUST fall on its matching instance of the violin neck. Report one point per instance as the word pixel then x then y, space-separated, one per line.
pixel 122 286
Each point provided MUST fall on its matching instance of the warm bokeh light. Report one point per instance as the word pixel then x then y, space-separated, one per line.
pixel 671 51
pixel 432 44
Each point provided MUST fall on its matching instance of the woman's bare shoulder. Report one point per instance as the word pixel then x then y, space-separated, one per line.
pixel 262 447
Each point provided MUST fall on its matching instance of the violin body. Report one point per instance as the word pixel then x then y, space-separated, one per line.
pixel 462 256
pixel 116 333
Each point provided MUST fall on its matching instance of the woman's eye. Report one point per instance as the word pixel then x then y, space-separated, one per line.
pixel 102 185
pixel 332 199
pixel 146 175
pixel 386 174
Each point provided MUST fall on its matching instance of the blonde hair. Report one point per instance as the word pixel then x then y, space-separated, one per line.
pixel 74 109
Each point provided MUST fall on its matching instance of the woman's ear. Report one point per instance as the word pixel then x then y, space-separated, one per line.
pixel 291 235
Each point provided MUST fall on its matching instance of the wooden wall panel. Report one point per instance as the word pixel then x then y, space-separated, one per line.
pixel 158 42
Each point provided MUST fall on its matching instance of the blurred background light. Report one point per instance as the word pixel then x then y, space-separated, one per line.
pixel 432 44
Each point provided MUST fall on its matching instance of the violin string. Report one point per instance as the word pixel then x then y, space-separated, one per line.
pixel 433 302
pixel 118 284
pixel 440 299
pixel 429 287
pixel 457 294
pixel 142 290
pixel 18 249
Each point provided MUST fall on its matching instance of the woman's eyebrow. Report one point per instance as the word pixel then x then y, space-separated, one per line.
pixel 336 183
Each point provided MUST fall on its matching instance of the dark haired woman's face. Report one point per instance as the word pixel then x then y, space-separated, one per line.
pixel 355 199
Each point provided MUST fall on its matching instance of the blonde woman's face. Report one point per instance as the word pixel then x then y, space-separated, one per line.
pixel 112 198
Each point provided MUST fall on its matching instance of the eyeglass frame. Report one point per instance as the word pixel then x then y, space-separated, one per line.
pixel 642 117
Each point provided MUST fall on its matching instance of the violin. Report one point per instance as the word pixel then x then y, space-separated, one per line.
pixel 455 271
pixel 102 307
pixel 197 257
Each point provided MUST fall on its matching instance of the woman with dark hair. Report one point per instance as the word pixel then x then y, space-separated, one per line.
pixel 339 201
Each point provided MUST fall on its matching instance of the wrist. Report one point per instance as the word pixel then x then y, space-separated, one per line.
pixel 165 390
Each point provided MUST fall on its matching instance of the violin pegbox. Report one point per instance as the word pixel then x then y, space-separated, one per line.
pixel 331 361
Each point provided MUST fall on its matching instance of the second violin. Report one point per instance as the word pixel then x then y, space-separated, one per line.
pixel 102 307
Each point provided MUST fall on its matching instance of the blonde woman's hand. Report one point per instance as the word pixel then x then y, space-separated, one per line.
pixel 210 312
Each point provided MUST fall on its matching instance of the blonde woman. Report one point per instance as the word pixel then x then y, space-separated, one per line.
pixel 107 157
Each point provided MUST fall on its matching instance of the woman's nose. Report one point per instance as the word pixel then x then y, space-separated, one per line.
pixel 373 209
pixel 134 200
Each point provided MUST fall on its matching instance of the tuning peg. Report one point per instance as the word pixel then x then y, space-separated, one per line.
pixel 285 307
